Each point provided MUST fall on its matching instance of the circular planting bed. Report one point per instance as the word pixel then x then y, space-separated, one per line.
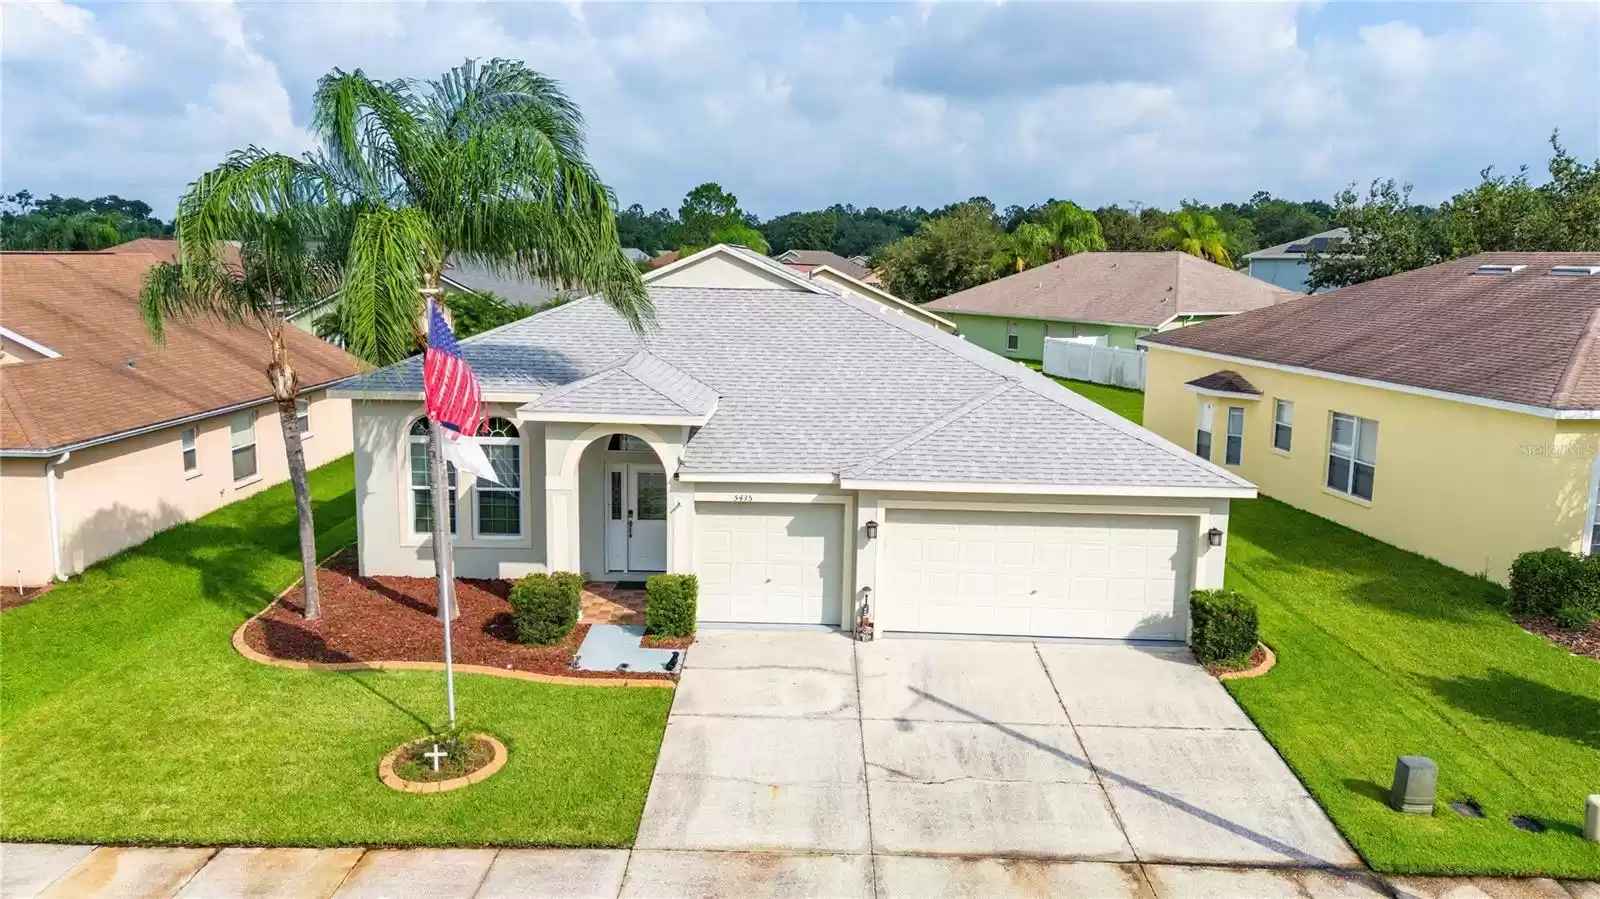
pixel 409 766
pixel 1260 662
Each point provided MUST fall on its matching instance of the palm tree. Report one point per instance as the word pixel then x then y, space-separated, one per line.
pixel 1030 245
pixel 1198 234
pixel 1073 230
pixel 278 273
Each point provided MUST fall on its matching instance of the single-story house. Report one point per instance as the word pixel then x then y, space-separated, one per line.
pixel 805 452
pixel 107 437
pixel 1115 297
pixel 1453 410
pixel 804 260
pixel 1286 265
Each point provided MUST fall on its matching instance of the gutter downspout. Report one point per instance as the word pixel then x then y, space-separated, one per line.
pixel 51 475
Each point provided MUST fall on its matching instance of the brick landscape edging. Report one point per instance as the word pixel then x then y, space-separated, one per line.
pixel 393 781
pixel 1256 671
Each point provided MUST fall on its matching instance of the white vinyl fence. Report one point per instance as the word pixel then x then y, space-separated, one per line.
pixel 1088 359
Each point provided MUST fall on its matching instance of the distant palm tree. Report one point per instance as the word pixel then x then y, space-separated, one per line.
pixel 1073 230
pixel 278 273
pixel 484 164
pixel 1198 234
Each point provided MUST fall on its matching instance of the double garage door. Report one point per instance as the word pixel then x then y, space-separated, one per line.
pixel 950 572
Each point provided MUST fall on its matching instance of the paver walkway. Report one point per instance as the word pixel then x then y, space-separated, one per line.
pixel 86 872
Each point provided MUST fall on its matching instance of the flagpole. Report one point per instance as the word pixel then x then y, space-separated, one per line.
pixel 443 550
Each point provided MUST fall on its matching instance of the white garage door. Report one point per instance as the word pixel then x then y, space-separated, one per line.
pixel 1035 574
pixel 777 563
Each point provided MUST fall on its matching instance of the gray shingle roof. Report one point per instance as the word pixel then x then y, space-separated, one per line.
pixel 814 382
pixel 1281 251
pixel 642 385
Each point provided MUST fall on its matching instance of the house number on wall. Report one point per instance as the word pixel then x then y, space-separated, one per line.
pixel 743 498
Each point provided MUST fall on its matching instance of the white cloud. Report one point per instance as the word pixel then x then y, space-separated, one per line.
pixel 794 106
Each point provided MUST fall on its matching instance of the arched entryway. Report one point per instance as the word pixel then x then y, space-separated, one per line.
pixel 622 501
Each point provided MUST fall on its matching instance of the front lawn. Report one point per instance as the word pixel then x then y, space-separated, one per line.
pixel 1384 653
pixel 1127 403
pixel 128 717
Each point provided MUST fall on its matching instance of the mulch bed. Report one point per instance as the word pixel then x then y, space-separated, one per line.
pixel 654 642
pixel 393 619
pixel 1585 642
pixel 1257 656
pixel 412 765
pixel 11 597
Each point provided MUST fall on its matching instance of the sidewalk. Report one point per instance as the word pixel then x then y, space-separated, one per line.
pixel 48 870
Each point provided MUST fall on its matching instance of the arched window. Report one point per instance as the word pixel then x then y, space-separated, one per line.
pixel 500 505
pixel 421 494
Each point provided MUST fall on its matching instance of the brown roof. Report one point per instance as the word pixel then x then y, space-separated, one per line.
pixel 1527 337
pixel 85 306
pixel 1144 289
pixel 1226 381
pixel 806 260
pixel 166 249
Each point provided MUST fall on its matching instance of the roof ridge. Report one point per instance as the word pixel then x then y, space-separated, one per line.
pixel 643 357
pixel 1588 344
pixel 934 427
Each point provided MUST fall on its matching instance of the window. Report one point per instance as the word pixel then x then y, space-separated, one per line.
pixel 1352 455
pixel 1233 450
pixel 1202 434
pixel 500 505
pixel 627 443
pixel 302 416
pixel 1011 335
pixel 421 495
pixel 1282 424
pixel 191 455
pixel 242 430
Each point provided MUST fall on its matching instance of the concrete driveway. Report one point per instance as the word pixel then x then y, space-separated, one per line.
pixel 806 741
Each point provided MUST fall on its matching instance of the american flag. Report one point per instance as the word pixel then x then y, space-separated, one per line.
pixel 450 390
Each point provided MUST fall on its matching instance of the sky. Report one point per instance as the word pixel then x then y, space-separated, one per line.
pixel 799 106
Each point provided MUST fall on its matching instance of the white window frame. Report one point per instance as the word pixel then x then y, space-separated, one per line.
pixel 1591 524
pixel 1283 418
pixel 1205 425
pixel 424 492
pixel 302 416
pixel 1013 342
pixel 1359 428
pixel 1233 439
pixel 481 487
pixel 189 450
pixel 235 445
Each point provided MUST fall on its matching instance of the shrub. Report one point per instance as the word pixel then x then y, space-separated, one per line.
pixel 1224 625
pixel 1554 583
pixel 545 607
pixel 670 605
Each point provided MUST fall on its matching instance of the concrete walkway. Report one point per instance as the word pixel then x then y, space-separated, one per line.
pixel 55 871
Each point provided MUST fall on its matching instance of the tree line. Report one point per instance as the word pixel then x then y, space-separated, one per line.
pixel 71 223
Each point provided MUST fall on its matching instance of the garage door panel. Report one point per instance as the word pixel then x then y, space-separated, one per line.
pixel 769 563
pixel 1044 574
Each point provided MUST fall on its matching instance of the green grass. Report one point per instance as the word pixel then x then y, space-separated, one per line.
pixel 1384 653
pixel 1127 403
pixel 128 717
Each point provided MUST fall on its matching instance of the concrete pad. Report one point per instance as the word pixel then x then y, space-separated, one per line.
pixel 1217 763
pixel 766 692
pixel 1582 889
pixel 905 877
pixel 980 817
pixel 420 873
pixel 1477 888
pixel 1259 883
pixel 947 750
pixel 1136 686
pixel 742 875
pixel 956 680
pixel 27 868
pixel 806 649
pixel 569 873
pixel 777 750
pixel 113 872
pixel 615 647
pixel 1197 828
pixel 699 813
pixel 272 873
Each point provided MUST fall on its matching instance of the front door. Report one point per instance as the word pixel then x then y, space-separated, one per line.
pixel 636 518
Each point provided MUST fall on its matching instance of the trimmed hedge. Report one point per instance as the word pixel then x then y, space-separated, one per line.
pixel 670 606
pixel 1224 626
pixel 1554 583
pixel 545 607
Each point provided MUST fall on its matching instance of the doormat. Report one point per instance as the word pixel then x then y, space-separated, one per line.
pixel 630 585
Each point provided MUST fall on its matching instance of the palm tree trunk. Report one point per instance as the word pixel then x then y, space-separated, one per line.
pixel 285 385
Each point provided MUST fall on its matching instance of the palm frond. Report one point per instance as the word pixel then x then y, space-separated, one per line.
pixel 382 301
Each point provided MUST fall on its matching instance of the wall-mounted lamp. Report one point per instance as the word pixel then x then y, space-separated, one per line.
pixel 872 530
pixel 1214 537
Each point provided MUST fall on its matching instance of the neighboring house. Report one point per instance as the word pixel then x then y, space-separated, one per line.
pixel 1286 266
pixel 805 260
pixel 1453 411
pixel 635 255
pixel 1117 297
pixel 466 277
pixel 107 438
pixel 827 274
pixel 803 451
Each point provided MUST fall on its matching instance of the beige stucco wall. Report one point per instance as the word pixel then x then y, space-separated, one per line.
pixel 1468 485
pixel 725 271
pixel 868 292
pixel 115 495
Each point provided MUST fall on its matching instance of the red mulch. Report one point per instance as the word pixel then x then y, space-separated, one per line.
pixel 1257 656
pixel 394 619
pixel 11 597
pixel 654 642
pixel 1585 642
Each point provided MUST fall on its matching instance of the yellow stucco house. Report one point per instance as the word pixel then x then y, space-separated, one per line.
pixel 1453 411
